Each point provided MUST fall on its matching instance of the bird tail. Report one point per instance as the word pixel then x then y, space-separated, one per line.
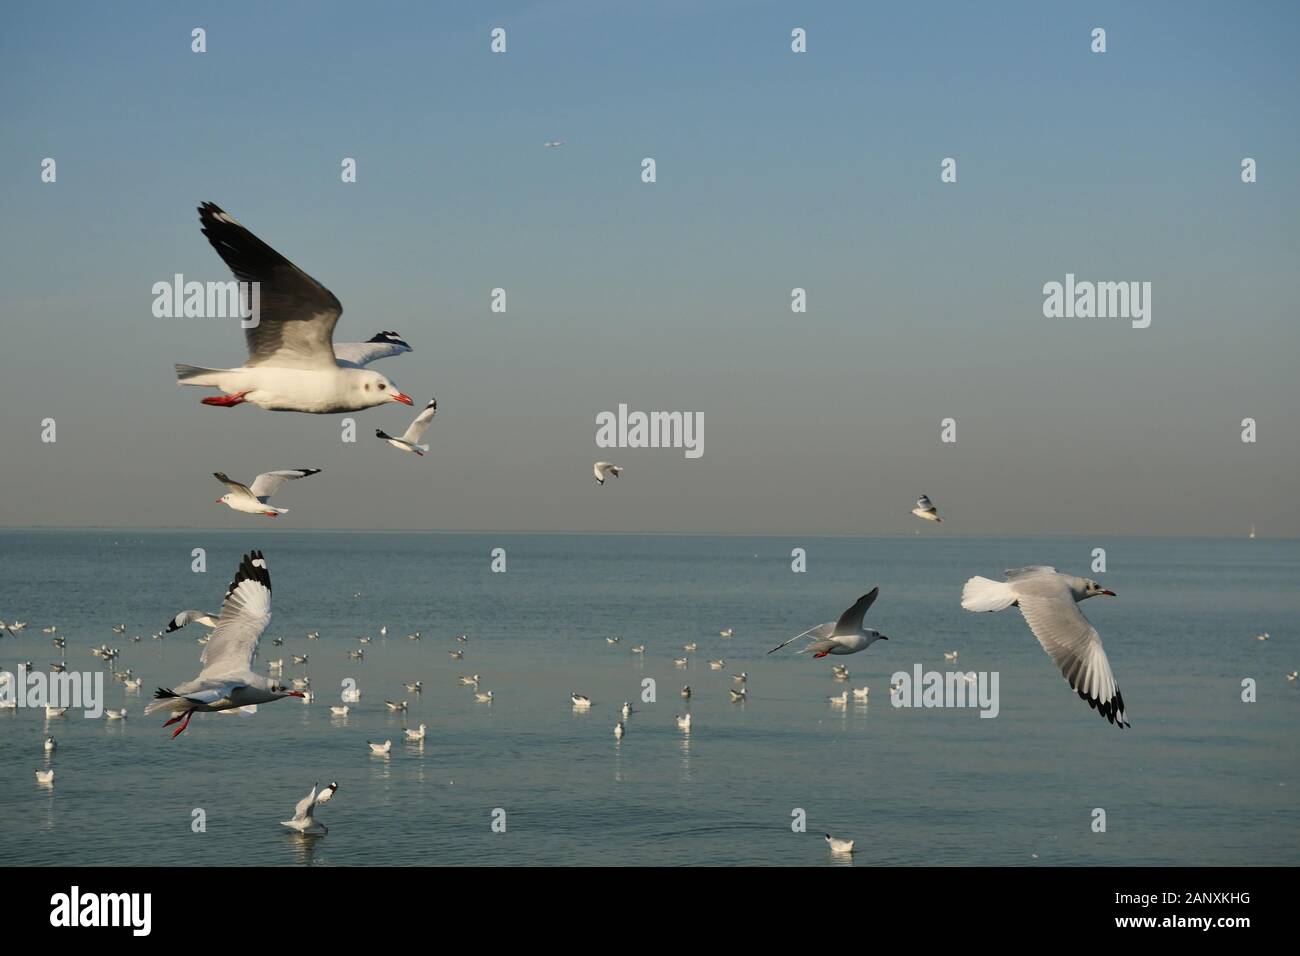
pixel 421 449
pixel 194 375
pixel 165 699
pixel 981 594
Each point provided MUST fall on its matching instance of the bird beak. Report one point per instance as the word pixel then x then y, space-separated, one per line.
pixel 401 397
pixel 1108 591
pixel 296 693
pixel 883 638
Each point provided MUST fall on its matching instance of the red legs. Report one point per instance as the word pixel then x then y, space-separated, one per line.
pixel 181 729
pixel 820 654
pixel 225 401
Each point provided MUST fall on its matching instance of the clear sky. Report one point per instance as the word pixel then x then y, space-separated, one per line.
pixel 775 170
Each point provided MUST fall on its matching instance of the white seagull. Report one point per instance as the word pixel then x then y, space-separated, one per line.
pixel 602 468
pixel 580 702
pixel 684 722
pixel 115 714
pixel 618 730
pixel 410 439
pixel 861 693
pixel 50 745
pixel 292 363
pixel 925 509
pixel 255 499
pixel 379 749
pixel 839 846
pixel 45 776
pixel 484 698
pixel 1049 602
pixel 340 711
pixel 397 706
pixel 226 681
pixel 188 617
pixel 417 734
pixel 845 636
pixel 303 821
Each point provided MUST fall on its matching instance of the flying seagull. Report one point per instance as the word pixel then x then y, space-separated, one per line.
pixel 1049 601
pixel 410 439
pixel 603 468
pixel 255 499
pixel 226 680
pixel 925 509
pixel 845 636
pixel 188 617
pixel 292 365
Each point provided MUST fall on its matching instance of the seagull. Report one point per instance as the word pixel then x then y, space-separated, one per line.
pixel 684 722
pixel 49 630
pixel 276 665
pixel 627 709
pixel 726 633
pixel 115 714
pixel 413 637
pixel 303 821
pixel 365 640
pixel 292 363
pixel 457 655
pixel 740 678
pixel 56 711
pixel 299 658
pixel 327 794
pixel 1049 602
pixel 861 693
pixel 57 668
pixel 45 776
pixel 950 656
pixel 895 687
pixel 339 711
pixel 417 734
pixel 926 509
pixel 396 706
pixel 1293 675
pixel 415 686
pixel 313 635
pixel 602 468
pixel 411 437
pixel 255 499
pixel 302 683
pixel 383 630
pixel 717 665
pixel 133 684
pixel 618 730
pixel 580 702
pixel 612 640
pixel 840 669
pixel 839 846
pixel 845 636
pixel 638 649
pixel 50 745
pixel 841 674
pixel 226 680
pixel 690 647
pixel 686 691
pixel 119 628
pixel 462 639
pixel 553 143
pixel 681 661
pixel 191 617
pixel 471 681
pixel 737 694
pixel 379 749
pixel 839 701
pixel 356 655
pixel 484 698
pixel 1262 637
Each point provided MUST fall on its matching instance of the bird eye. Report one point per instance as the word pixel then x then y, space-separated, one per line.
pixel 382 386
pixel 367 386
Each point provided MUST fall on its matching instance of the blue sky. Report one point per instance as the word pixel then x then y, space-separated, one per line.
pixel 775 170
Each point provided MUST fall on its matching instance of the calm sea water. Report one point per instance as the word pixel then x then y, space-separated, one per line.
pixel 1201 778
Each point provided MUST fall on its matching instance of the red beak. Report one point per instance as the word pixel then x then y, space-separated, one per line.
pixel 296 693
pixel 401 397
pixel 1108 591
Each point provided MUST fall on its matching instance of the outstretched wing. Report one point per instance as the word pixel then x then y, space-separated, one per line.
pixel 237 489
pixel 244 616
pixel 1071 641
pixel 818 633
pixel 850 621
pixel 361 354
pixel 296 314
pixel 923 503
pixel 303 809
pixel 264 485
pixel 421 423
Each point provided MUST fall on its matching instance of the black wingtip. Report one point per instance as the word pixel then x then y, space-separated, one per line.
pixel 252 568
pixel 163 692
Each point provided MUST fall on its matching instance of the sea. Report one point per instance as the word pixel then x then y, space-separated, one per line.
pixel 1207 775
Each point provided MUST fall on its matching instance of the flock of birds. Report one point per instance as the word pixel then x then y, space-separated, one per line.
pixel 293 365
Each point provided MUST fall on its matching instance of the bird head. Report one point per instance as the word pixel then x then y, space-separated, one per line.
pixel 1092 589
pixel 374 388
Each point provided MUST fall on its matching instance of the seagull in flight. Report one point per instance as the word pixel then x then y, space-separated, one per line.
pixel 303 819
pixel 409 441
pixel 553 144
pixel 845 636
pixel 255 499
pixel 602 468
pixel 187 617
pixel 1049 602
pixel 292 363
pixel 226 680
pixel 926 509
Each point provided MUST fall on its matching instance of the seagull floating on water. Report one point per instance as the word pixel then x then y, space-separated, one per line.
pixel 380 749
pixel 417 734
pixel 839 846
pixel 303 820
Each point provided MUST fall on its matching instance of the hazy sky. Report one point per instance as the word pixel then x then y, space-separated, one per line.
pixel 775 170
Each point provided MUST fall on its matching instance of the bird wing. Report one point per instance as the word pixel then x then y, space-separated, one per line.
pixel 245 613
pixel 1071 641
pixel 264 485
pixel 923 503
pixel 236 489
pixel 1033 571
pixel 361 354
pixel 850 621
pixel 296 315
pixel 421 423
pixel 820 632
pixel 302 811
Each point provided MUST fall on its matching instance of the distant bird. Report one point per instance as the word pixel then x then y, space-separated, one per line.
pixel 895 686
pixel 845 636
pixel 57 668
pixel 417 734
pixel 397 706
pixel 618 730
pixel 1293 675
pixel 276 665
pixel 50 745
pixel 133 684
pixel 49 630
pixel 686 691
pixel 602 468
pixel 60 642
pixel 839 701
pixel 383 630
pixel 484 698
pixel 415 686
pixel 1262 637
pixel 303 820
pixel 56 711
pixel 45 776
pixel 684 722
pixel 410 439
pixel 861 693
pixel 339 711
pixel 970 677
pixel 553 143
pixel 950 656
pixel 737 694
pixel 300 658
pixel 840 669
pixel 638 649
pixel 580 702
pixel 926 509
pixel 380 749
pixel 119 628
pixel 356 655
pixel 839 846
pixel 302 683
pixel 457 655
pixel 627 709
pixel 612 640
pixel 471 680
pixel 690 647
pixel 842 674
pixel 414 637
pixel 314 636
pixel 463 639
pixel 726 633
pixel 681 661
pixel 292 363
pixel 365 640
pixel 1049 602
pixel 740 678
pixel 351 694
pixel 226 680
pixel 115 714
pixel 277 641
pixel 717 665
pixel 255 499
